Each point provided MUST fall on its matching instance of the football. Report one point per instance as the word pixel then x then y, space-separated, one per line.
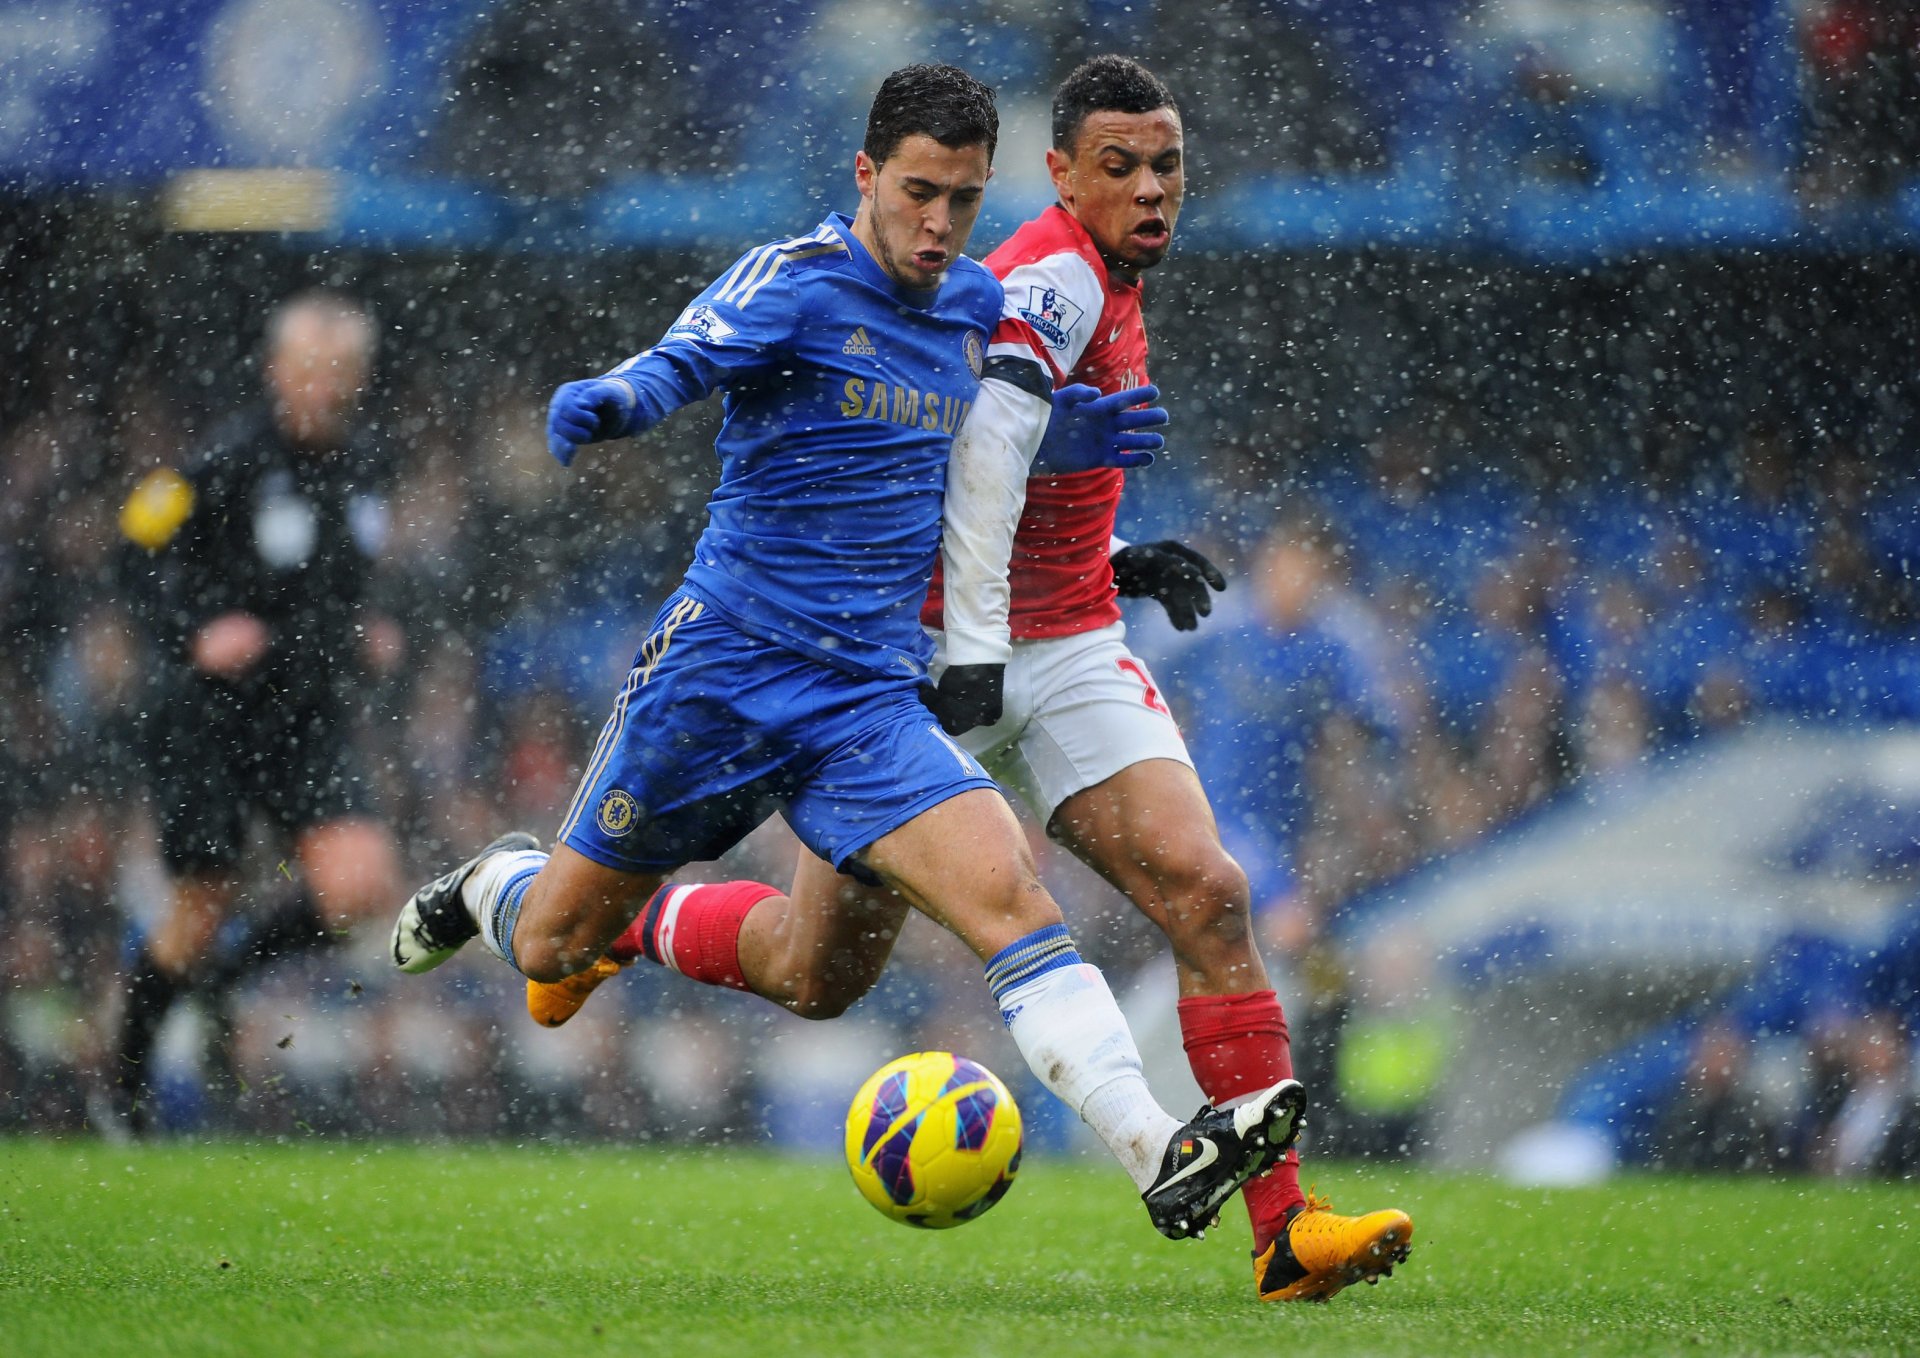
pixel 933 1139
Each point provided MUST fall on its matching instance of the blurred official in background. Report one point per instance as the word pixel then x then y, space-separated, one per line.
pixel 258 558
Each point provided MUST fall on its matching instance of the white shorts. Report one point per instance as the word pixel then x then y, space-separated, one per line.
pixel 1078 710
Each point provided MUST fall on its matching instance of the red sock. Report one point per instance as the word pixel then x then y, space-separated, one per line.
pixel 1237 1044
pixel 694 930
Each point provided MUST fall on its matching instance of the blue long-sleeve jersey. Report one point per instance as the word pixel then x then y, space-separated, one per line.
pixel 842 392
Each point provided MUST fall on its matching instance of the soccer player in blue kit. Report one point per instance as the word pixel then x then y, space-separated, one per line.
pixel 787 672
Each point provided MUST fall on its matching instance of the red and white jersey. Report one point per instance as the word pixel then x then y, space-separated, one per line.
pixel 1084 325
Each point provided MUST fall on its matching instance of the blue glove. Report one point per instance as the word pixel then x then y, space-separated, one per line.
pixel 587 412
pixel 1088 430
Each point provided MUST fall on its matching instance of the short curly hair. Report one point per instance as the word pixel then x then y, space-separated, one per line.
pixel 1103 84
pixel 942 102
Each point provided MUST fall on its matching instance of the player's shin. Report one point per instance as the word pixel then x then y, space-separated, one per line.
pixel 151 990
pixel 695 930
pixel 494 894
pixel 692 929
pixel 1071 1032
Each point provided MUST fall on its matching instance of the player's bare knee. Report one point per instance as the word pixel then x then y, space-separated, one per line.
pixel 1206 904
pixel 550 957
pixel 557 933
pixel 824 999
pixel 1017 898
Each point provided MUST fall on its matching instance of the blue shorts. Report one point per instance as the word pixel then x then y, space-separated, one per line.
pixel 715 730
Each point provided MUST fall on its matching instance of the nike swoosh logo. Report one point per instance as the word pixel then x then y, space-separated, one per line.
pixel 1208 1154
pixel 1114 336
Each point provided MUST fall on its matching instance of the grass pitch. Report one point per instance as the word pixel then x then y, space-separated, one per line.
pixel 391 1251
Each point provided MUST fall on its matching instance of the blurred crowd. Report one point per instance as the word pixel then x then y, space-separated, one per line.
pixel 1547 92
pixel 1806 1064
pixel 1432 648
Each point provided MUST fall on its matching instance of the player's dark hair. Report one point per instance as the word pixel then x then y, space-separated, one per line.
pixel 1105 84
pixel 942 102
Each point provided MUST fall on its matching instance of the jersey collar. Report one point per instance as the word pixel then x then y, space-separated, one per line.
pixel 1107 276
pixel 869 267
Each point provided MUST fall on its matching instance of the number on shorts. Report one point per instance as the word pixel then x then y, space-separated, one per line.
pixel 1151 695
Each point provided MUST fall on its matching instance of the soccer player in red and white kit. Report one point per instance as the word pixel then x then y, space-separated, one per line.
pixel 1030 641
pixel 1085 735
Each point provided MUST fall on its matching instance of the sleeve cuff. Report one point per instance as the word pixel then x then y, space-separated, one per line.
pixel 967 647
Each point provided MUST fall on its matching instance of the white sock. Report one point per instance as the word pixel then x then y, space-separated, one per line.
pixel 1126 1116
pixel 1068 1027
pixel 492 894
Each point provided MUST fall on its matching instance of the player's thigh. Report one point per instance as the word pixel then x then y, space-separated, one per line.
pixel 703 744
pixel 964 862
pixel 1150 831
pixel 878 761
pixel 193 752
pixel 1097 712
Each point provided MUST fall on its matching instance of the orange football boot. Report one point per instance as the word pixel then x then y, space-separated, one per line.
pixel 1320 1252
pixel 552 1005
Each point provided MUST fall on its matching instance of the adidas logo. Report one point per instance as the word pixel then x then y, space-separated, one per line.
pixel 859 345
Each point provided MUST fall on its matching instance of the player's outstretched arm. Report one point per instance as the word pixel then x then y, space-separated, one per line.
pixel 1088 430
pixel 719 338
pixel 1172 572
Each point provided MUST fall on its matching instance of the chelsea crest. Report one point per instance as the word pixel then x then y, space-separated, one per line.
pixel 617 813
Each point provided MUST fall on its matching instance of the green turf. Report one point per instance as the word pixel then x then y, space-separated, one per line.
pixel 413 1252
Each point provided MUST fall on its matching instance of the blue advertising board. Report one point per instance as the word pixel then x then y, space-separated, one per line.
pixel 105 91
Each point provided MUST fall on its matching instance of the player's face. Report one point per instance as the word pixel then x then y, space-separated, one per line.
pixel 1124 182
pixel 917 209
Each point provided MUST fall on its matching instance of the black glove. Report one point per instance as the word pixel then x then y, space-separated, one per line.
pixel 1171 572
pixel 968 696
